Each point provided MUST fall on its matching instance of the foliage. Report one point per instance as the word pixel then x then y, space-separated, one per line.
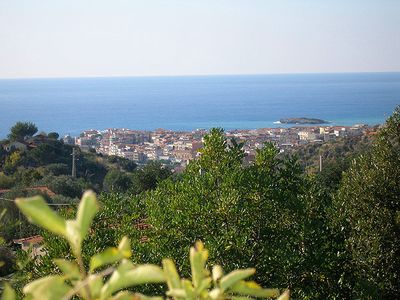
pixel 106 283
pixel 7 261
pixel 53 135
pixel 6 182
pixel 64 185
pixel 125 164
pixel 116 181
pixel 57 169
pixel 261 215
pixel 336 156
pixel 21 130
pixel 367 208
pixel 148 177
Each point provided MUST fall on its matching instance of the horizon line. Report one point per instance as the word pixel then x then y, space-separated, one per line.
pixel 197 75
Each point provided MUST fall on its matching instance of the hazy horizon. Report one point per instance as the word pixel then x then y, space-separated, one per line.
pixel 200 75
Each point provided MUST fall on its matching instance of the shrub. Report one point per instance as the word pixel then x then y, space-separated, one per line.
pixel 111 270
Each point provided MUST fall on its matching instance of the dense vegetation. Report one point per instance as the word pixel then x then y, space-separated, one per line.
pixel 98 282
pixel 29 160
pixel 329 235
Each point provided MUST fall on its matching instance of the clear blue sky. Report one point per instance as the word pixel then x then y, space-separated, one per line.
pixel 60 38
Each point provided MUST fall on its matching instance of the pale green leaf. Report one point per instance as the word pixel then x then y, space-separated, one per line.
pixel 8 293
pixel 189 290
pixel 251 288
pixel 108 256
pixel 215 293
pixel 125 295
pixel 95 283
pixel 38 212
pixel 171 274
pixel 284 296
pixel 87 209
pixel 198 258
pixel 217 273
pixel 204 285
pixel 235 276
pixel 126 276
pixel 69 268
pixel 73 236
pixel 177 293
pixel 47 288
pixel 125 247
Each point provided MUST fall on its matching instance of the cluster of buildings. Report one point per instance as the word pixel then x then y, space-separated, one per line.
pixel 179 147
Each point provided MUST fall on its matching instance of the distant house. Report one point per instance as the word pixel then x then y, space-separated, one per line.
pixel 15 145
pixel 37 140
pixel 34 243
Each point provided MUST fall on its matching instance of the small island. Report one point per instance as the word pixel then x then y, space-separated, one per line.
pixel 302 121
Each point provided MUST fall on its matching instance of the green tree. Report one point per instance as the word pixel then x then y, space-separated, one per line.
pixel 53 135
pixel 367 212
pixel 7 259
pixel 149 177
pixel 256 215
pixel 116 181
pixel 6 182
pixel 22 130
pixel 64 185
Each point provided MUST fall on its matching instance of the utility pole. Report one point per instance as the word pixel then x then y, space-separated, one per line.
pixel 320 163
pixel 73 163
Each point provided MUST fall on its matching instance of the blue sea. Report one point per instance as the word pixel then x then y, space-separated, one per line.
pixel 71 105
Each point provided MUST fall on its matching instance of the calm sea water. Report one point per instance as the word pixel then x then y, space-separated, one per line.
pixel 186 103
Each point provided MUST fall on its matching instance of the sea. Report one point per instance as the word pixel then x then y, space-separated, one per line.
pixel 72 105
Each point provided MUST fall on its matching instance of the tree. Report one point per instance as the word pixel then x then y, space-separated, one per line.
pixel 149 177
pixel 367 212
pixel 22 130
pixel 256 215
pixel 116 181
pixel 7 260
pixel 6 182
pixel 53 135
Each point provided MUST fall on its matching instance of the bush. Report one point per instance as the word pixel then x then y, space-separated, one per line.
pixel 7 261
pixel 366 212
pixel 102 282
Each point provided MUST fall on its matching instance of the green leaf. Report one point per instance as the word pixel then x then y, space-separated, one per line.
pixel 177 293
pixel 127 275
pixel 47 288
pixel 73 236
pixel 217 273
pixel 189 290
pixel 125 295
pixel 95 283
pixel 88 207
pixel 205 284
pixel 215 293
pixel 228 280
pixel 69 268
pixel 108 256
pixel 251 288
pixel 284 296
pixel 8 293
pixel 38 212
pixel 198 258
pixel 111 255
pixel 125 247
pixel 171 274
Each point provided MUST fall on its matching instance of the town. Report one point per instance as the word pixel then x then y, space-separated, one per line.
pixel 179 147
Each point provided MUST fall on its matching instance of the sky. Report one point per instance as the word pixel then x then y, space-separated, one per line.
pixel 79 38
